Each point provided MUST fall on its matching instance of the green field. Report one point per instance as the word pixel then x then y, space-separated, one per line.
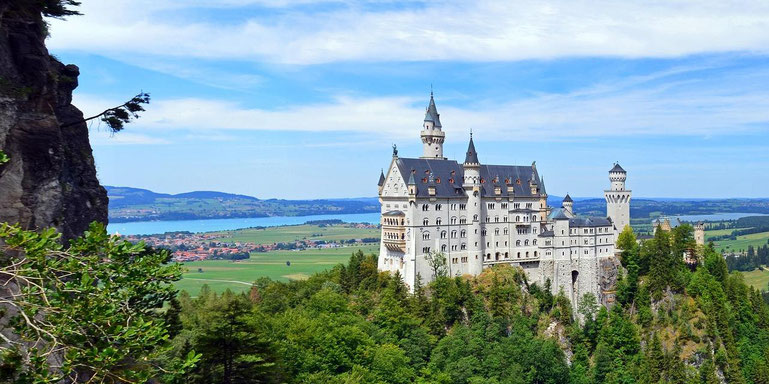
pixel 238 276
pixel 757 278
pixel 742 242
pixel 291 233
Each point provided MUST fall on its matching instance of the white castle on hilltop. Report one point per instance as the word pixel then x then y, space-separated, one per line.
pixel 478 215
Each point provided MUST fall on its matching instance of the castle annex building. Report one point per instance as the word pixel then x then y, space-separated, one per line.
pixel 479 215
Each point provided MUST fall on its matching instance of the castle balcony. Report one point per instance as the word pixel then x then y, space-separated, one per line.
pixel 394 231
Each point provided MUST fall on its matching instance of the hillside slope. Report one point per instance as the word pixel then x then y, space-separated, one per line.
pixel 134 204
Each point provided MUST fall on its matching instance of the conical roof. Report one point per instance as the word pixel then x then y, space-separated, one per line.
pixel 617 168
pixel 567 199
pixel 471 156
pixel 381 179
pixel 432 113
pixel 411 179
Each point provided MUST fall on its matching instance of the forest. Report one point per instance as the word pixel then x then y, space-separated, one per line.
pixel 352 324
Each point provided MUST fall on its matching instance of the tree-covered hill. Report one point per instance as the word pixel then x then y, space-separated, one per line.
pixel 134 204
pixel 671 323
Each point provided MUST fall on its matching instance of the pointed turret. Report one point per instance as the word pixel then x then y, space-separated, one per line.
pixel 432 114
pixel 568 205
pixel 411 180
pixel 542 185
pixel 432 135
pixel 472 156
pixel 381 178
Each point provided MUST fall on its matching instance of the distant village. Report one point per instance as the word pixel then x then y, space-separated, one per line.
pixel 188 246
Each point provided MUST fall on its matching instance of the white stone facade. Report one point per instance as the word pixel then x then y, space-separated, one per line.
pixel 480 215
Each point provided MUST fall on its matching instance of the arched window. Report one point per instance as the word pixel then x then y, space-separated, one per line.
pixel 534 242
pixel 526 242
pixel 443 248
pixel 535 253
pixel 517 243
pixel 496 231
pixel 438 221
pixel 453 220
pixel 443 234
pixel 425 235
pixel 425 221
pixel 505 231
pixel 453 234
pixel 475 217
pixel 527 254
pixel 517 218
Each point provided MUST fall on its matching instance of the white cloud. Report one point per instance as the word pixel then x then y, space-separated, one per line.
pixel 707 106
pixel 481 30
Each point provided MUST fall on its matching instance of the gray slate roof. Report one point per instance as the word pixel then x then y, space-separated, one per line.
pixel 419 172
pixel 393 213
pixel 432 113
pixel 381 179
pixel 590 222
pixel 567 199
pixel 471 157
pixel 547 234
pixel 617 168
pixel 559 214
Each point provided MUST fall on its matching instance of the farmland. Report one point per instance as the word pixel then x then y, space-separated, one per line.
pixel 281 265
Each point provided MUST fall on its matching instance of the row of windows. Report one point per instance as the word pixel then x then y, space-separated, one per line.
pixel 506 255
pixel 439 207
pixel 393 221
pixel 453 220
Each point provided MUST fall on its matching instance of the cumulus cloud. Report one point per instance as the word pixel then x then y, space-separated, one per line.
pixel 482 30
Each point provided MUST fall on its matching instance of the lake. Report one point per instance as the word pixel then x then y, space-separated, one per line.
pixel 717 216
pixel 154 227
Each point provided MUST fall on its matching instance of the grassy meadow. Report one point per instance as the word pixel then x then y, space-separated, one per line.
pixel 757 278
pixel 742 242
pixel 292 233
pixel 237 276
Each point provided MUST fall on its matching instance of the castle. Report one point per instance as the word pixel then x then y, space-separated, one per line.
pixel 479 215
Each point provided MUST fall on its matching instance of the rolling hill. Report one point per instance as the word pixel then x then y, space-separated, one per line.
pixel 134 204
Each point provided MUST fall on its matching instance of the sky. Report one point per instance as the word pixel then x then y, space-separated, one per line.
pixel 304 98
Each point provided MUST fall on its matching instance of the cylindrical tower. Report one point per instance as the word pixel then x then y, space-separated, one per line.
pixel 432 135
pixel 618 200
pixel 472 187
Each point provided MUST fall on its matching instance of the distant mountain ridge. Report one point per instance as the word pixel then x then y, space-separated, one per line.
pixel 136 204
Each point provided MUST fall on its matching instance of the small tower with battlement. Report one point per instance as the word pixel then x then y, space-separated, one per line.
pixel 432 135
pixel 618 199
pixel 699 233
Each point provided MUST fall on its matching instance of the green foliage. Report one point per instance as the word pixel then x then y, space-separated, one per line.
pixel 438 264
pixel 4 158
pixel 94 304
pixel 354 324
pixel 59 8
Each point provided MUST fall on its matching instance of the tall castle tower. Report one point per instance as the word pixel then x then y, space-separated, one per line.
pixel 472 186
pixel 432 135
pixel 699 233
pixel 618 199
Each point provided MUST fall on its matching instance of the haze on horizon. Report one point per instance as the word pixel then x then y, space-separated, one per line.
pixel 303 99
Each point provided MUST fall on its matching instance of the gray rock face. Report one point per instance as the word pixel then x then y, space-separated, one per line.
pixel 51 178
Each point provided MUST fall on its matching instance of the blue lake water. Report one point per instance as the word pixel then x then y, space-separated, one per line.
pixel 153 227
pixel 717 216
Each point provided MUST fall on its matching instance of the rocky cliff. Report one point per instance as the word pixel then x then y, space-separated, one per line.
pixel 51 178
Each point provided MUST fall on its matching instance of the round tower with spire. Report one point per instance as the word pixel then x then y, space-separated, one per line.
pixel 618 199
pixel 472 186
pixel 432 135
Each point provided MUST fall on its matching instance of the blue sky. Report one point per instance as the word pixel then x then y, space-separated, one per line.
pixel 303 98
